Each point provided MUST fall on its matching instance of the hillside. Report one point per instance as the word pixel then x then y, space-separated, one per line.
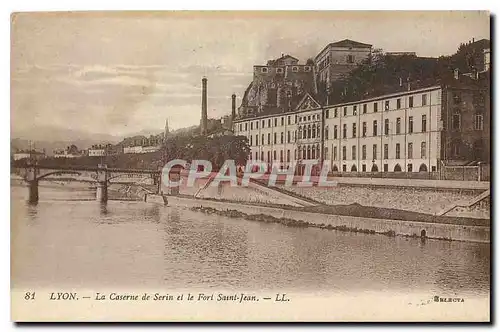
pixel 385 73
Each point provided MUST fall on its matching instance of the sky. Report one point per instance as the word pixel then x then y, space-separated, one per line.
pixel 122 73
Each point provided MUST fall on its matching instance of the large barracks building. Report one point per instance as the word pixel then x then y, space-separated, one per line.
pixel 414 129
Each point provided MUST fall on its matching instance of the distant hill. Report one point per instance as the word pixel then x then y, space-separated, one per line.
pixel 50 146
pixel 52 138
pixel 53 134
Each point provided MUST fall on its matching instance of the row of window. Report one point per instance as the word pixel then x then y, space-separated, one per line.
pixel 324 63
pixel 313 117
pixel 313 131
pixel 456 123
pixel 387 126
pixel 289 138
pixel 313 152
pixel 316 117
pixel 386 155
pixel 353 110
pixel 305 132
pixel 269 122
pixel 374 168
pixel 309 152
pixel 295 69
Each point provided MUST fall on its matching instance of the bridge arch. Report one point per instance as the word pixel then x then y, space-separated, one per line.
pixel 135 176
pixel 58 173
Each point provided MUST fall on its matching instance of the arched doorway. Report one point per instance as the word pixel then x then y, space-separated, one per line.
pixel 374 168
pixel 335 168
pixel 353 168
pixel 397 168
pixel 422 168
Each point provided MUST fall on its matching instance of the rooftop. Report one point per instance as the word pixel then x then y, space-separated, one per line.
pixel 348 43
pixel 283 57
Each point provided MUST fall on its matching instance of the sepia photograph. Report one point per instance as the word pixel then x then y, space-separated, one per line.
pixel 250 166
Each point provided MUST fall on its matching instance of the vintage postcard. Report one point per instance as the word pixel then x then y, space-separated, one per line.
pixel 250 166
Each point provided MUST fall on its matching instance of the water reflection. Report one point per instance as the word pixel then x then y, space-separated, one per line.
pixel 31 210
pixel 103 209
pixel 136 243
pixel 152 213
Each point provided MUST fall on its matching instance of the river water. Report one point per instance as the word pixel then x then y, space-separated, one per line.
pixel 69 240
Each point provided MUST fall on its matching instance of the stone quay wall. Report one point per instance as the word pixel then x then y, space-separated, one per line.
pixel 399 227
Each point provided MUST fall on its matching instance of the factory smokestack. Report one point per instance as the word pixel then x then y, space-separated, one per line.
pixel 204 116
pixel 233 107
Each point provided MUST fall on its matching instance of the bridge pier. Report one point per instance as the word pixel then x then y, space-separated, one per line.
pixel 102 184
pixel 32 184
pixel 102 192
pixel 174 176
pixel 33 191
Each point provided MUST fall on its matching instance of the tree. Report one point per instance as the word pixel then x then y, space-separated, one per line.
pixel 216 149
pixel 73 149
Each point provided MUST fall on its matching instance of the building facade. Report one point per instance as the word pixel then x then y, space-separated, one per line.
pixel 409 131
pixel 277 86
pixel 33 155
pixel 97 152
pixel 339 58
pixel 141 149
pixel 391 133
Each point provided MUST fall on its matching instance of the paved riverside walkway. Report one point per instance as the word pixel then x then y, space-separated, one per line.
pixel 417 183
pixel 387 182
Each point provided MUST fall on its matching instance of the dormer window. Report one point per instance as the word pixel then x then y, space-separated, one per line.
pixel 279 70
pixel 295 69
pixel 264 69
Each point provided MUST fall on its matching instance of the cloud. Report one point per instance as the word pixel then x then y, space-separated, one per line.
pixel 118 98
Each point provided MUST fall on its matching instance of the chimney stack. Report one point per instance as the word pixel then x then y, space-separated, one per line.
pixel 233 107
pixel 204 115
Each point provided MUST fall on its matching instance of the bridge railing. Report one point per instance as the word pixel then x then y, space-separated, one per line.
pixel 86 168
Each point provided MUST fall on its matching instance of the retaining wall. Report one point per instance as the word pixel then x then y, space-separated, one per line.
pixel 408 228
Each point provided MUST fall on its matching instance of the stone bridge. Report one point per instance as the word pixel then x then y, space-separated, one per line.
pixel 101 175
